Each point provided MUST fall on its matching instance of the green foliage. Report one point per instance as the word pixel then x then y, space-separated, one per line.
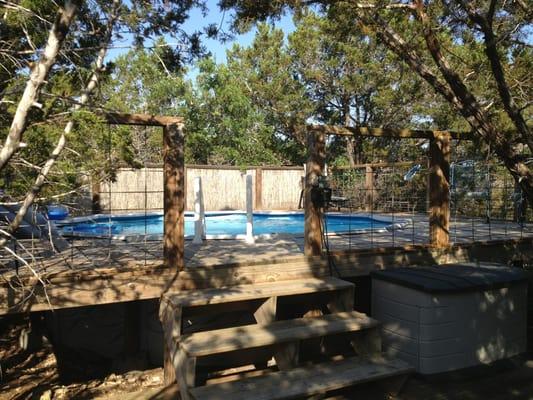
pixel 223 125
pixel 332 69
pixel 461 41
pixel 142 82
pixel 272 84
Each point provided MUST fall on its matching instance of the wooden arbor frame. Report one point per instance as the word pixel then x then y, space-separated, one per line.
pixel 174 180
pixel 438 182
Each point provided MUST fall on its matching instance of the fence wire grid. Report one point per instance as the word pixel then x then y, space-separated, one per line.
pixel 106 202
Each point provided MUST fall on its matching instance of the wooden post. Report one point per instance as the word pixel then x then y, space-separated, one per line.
pixel 369 188
pixel 439 189
pixel 174 196
pixel 315 164
pixel 258 188
pixel 95 198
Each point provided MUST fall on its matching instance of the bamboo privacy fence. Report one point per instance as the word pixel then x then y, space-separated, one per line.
pixel 224 188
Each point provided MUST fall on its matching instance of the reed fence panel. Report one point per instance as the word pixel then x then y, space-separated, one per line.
pixel 224 188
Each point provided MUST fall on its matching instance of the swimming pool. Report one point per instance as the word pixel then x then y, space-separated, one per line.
pixel 220 225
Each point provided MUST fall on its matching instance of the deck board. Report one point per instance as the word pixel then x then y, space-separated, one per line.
pixel 257 291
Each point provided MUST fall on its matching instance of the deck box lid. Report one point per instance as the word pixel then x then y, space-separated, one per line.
pixel 453 277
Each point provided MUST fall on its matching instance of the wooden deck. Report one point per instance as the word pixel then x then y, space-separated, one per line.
pixel 103 271
pixel 103 253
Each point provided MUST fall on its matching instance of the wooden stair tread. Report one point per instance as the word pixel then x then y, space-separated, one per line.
pixel 304 381
pixel 249 336
pixel 191 298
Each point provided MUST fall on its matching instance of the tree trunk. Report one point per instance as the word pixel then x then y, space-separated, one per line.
pixel 491 51
pixel 455 92
pixel 349 140
pixel 350 151
pixel 60 145
pixel 38 75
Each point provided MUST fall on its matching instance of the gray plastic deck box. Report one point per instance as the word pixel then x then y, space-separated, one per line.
pixel 451 317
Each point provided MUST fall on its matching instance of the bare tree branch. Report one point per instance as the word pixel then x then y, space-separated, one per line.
pixel 17 7
pixel 512 110
pixel 38 75
pixel 56 196
pixel 91 86
pixel 391 6
pixel 88 48
pixel 26 263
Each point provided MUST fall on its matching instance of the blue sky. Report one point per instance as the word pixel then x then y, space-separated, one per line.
pixel 197 21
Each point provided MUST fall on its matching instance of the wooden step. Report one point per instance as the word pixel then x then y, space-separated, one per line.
pixel 260 300
pixel 304 381
pixel 202 344
pixel 193 298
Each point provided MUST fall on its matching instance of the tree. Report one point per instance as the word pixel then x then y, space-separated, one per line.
pixel 271 82
pixel 60 145
pixel 431 27
pixel 79 48
pixel 90 37
pixel 223 125
pixel 39 72
pixel 146 81
pixel 343 76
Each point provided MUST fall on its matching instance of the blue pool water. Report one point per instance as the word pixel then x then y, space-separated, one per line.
pixel 216 224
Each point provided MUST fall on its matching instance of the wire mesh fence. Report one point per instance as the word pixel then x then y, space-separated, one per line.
pixel 116 213
pixel 485 202
pixel 74 225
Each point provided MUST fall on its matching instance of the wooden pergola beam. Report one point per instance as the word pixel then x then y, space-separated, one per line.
pixel 140 119
pixel 386 132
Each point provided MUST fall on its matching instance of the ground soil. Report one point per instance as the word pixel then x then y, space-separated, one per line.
pixel 35 374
